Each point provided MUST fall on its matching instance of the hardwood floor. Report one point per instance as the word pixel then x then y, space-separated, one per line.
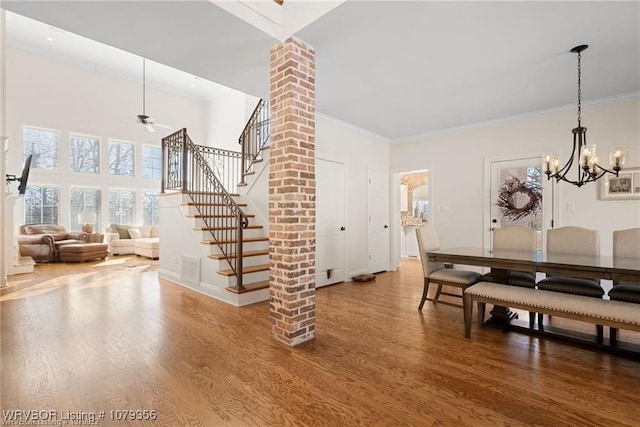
pixel 109 336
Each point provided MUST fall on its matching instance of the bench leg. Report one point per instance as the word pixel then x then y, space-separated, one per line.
pixel 600 333
pixel 613 335
pixel 467 306
pixel 481 310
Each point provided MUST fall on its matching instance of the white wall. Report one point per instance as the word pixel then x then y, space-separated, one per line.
pixel 52 94
pixel 359 150
pixel 226 116
pixel 456 164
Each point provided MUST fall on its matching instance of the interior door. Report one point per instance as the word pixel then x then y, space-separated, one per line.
pixel 330 222
pixel 520 195
pixel 378 230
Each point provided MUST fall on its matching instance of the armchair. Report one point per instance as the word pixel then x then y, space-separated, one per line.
pixel 41 241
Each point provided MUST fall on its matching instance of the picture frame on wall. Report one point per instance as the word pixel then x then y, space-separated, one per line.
pixel 625 186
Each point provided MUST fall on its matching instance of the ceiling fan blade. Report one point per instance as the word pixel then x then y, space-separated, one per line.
pixel 149 128
pixel 162 126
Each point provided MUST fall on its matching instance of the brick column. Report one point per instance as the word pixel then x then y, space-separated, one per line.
pixel 292 193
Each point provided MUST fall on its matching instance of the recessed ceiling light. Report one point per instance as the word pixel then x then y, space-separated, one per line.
pixel 50 39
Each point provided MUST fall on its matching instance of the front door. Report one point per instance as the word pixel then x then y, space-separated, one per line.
pixel 519 195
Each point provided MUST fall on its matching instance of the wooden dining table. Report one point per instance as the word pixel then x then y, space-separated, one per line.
pixel 502 261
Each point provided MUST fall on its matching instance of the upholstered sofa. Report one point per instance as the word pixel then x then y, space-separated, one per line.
pixel 143 240
pixel 42 241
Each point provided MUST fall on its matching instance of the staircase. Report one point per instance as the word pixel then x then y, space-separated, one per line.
pixel 233 239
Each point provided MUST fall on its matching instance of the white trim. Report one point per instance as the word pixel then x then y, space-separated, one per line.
pixel 592 103
pixel 204 288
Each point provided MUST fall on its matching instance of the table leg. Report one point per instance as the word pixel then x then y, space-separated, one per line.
pixel 500 315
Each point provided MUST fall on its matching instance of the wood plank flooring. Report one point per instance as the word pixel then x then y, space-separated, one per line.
pixel 111 336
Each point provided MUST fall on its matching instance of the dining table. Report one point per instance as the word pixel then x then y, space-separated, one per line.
pixel 500 262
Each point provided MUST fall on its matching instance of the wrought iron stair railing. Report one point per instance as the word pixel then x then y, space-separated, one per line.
pixel 255 137
pixel 185 168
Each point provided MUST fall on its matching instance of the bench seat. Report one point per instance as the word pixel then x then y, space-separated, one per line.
pixel 617 314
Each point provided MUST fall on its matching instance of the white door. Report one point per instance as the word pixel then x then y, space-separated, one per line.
pixel 378 231
pixel 519 195
pixel 330 222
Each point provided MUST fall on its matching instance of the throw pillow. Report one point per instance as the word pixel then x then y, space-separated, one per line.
pixel 123 231
pixel 134 233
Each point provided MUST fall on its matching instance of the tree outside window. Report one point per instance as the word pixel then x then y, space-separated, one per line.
pixel 85 200
pixel 84 154
pixel 43 144
pixel 122 207
pixel 151 162
pixel 41 205
pixel 121 158
pixel 150 213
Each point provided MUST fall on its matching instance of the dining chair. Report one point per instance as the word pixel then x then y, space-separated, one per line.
pixel 626 244
pixel 572 240
pixel 520 239
pixel 435 272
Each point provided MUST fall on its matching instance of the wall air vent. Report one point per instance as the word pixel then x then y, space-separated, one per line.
pixel 190 272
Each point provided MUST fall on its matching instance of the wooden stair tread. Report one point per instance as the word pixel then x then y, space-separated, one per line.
pixel 209 204
pixel 244 240
pixel 226 228
pixel 213 193
pixel 245 270
pixel 250 287
pixel 244 254
pixel 217 216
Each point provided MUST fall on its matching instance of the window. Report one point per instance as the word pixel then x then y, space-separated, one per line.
pixel 150 213
pixel 41 205
pixel 43 144
pixel 85 200
pixel 151 162
pixel 122 207
pixel 121 158
pixel 84 154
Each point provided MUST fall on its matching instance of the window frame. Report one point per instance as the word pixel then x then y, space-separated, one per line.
pixel 42 205
pixel 155 149
pixel 36 158
pixel 133 158
pixel 98 140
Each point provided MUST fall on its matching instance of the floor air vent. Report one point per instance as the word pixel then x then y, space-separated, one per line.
pixel 190 270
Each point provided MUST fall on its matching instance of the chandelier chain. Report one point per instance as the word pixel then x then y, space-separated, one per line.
pixel 579 87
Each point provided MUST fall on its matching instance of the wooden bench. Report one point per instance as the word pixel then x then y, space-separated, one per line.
pixel 616 314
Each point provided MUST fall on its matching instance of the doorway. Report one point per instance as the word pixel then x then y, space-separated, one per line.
pixel 414 209
pixel 518 194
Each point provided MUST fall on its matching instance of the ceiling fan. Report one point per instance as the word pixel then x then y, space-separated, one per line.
pixel 143 119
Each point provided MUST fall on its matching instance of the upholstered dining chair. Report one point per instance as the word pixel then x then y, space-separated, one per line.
pixel 572 241
pixel 515 238
pixel 626 244
pixel 434 272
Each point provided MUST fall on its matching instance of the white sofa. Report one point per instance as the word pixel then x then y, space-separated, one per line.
pixel 143 240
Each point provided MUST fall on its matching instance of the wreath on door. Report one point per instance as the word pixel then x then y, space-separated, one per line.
pixel 507 203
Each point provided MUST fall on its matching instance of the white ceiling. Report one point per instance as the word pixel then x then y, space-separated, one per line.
pixel 392 67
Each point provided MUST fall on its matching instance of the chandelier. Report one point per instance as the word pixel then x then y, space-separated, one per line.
pixel 589 169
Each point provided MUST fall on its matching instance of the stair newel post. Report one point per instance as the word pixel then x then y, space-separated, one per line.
pixel 239 226
pixel 163 166
pixel 243 156
pixel 185 160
